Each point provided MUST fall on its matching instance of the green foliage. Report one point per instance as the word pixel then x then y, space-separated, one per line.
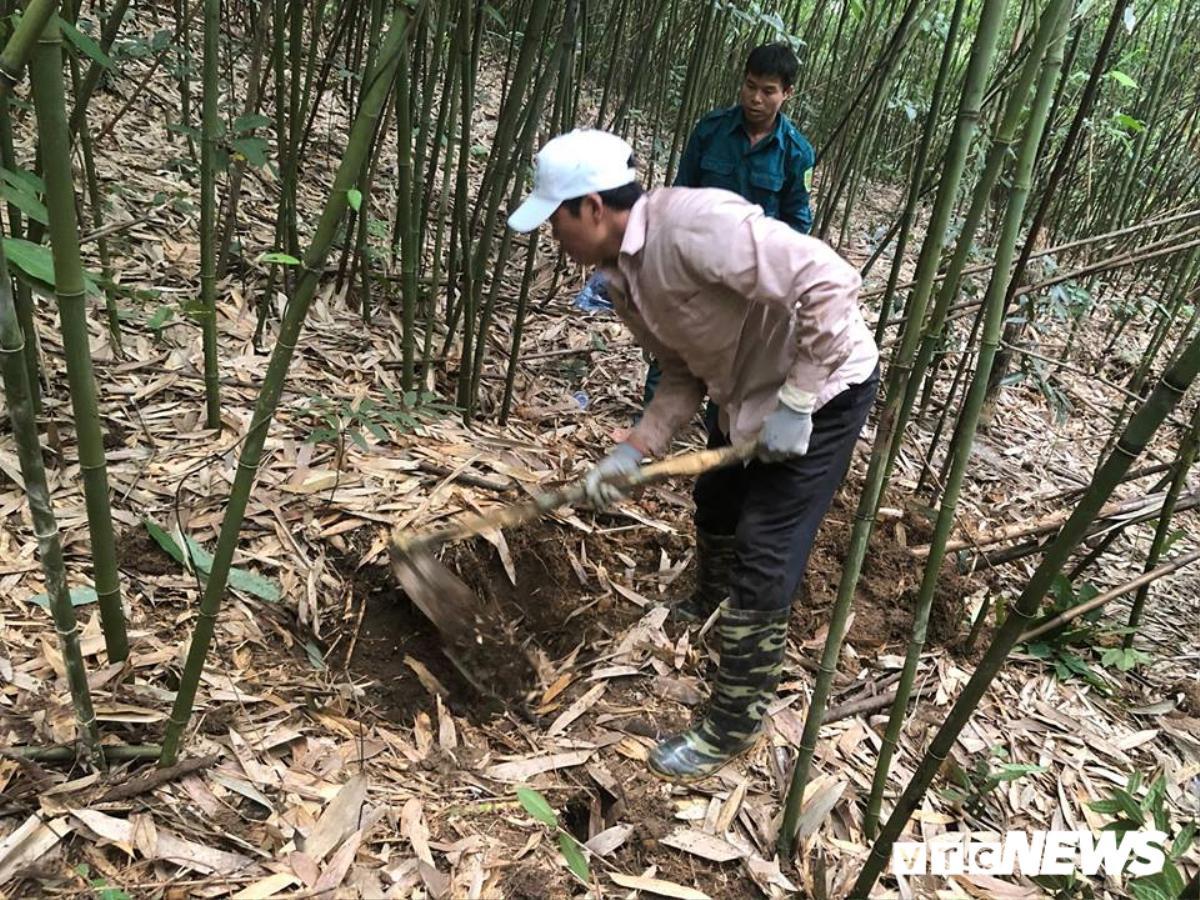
pixel 83 43
pixel 1129 123
pixel 1149 812
pixel 35 263
pixel 572 851
pixel 275 257
pixel 1057 646
pixel 201 560
pixel 139 47
pixel 1121 78
pixel 25 191
pixel 341 419
pixel 972 786
pixel 354 198
pixel 101 887
pixel 1124 658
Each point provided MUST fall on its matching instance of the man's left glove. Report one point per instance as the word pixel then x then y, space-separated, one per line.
pixel 786 432
pixel 622 460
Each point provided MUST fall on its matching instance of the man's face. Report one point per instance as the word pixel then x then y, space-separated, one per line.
pixel 581 237
pixel 761 96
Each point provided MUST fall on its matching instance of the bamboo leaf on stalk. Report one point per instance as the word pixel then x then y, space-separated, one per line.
pixel 277 258
pixel 37 263
pixel 354 198
pixel 1129 123
pixel 254 149
pixel 1121 78
pixel 83 43
pixel 244 124
pixel 26 202
pixel 23 180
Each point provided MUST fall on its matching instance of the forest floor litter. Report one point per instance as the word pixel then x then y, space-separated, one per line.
pixel 353 755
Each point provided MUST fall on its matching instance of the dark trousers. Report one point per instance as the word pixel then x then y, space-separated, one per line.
pixel 774 509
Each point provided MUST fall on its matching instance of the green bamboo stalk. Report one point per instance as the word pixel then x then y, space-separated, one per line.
pixel 1054 25
pixel 48 98
pixel 96 202
pixel 1162 531
pixel 182 14
pixel 24 298
pixel 981 199
pixel 1062 163
pixel 409 248
pixel 108 34
pixel 518 329
pixel 448 168
pixel 1137 435
pixel 210 130
pixel 254 84
pixel 20 46
pixel 45 526
pixel 357 146
pixel 964 129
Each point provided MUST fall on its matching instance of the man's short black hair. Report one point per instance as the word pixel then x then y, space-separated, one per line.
pixel 619 198
pixel 773 61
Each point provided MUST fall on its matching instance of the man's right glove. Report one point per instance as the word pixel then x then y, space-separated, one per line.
pixel 786 432
pixel 622 460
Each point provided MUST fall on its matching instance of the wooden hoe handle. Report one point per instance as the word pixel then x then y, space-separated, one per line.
pixel 694 463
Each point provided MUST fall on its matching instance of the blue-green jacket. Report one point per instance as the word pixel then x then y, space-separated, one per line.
pixel 776 174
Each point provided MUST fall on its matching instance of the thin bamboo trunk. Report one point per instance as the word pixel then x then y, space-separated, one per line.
pixel 1138 433
pixel 981 198
pixel 357 146
pixel 1162 531
pixel 49 101
pixel 24 297
pixel 45 526
pixel 20 46
pixel 1054 28
pixel 210 130
pixel 409 230
pixel 981 56
pixel 1061 165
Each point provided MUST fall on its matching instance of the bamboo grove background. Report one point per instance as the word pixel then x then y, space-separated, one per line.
pixel 1018 171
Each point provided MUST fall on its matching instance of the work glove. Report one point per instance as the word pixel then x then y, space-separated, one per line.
pixel 622 460
pixel 786 432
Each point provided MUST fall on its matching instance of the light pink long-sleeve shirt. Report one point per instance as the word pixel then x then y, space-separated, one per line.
pixel 735 305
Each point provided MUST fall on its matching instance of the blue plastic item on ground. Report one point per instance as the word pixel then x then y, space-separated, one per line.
pixel 594 296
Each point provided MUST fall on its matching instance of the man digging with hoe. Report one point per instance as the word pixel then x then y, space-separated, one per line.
pixel 763 319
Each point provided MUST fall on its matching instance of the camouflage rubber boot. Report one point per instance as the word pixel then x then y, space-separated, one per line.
pixel 752 648
pixel 715 554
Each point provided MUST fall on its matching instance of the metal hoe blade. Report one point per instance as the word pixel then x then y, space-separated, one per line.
pixel 440 594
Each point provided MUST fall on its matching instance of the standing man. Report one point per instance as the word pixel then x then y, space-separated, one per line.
pixel 764 320
pixel 754 150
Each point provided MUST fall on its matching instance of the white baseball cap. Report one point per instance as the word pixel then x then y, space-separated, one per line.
pixel 580 162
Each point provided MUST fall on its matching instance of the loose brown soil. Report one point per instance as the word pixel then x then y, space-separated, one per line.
pixel 493 669
pixel 138 552
pixel 887 586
